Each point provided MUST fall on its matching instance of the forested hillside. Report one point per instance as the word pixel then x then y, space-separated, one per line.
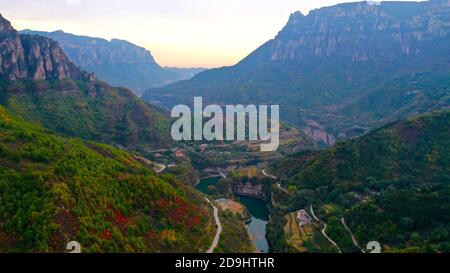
pixel 54 190
pixel 391 185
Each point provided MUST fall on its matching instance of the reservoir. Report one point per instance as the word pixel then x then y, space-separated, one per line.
pixel 205 183
pixel 256 226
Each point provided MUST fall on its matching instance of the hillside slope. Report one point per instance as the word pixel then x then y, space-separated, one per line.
pixel 391 185
pixel 54 190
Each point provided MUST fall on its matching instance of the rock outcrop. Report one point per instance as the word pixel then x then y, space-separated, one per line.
pixel 362 31
pixel 250 190
pixel 33 57
pixel 118 62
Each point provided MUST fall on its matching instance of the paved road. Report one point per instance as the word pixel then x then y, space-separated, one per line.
pixel 283 189
pixel 324 230
pixel 222 174
pixel 268 175
pixel 355 242
pixel 219 228
pixel 161 167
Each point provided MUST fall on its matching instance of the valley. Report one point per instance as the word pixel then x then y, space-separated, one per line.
pixel 87 155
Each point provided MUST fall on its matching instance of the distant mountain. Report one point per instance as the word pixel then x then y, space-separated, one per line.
pixel 340 70
pixel 54 190
pixel 185 73
pixel 118 62
pixel 391 186
pixel 38 82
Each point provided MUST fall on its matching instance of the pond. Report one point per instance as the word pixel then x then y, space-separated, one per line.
pixel 257 225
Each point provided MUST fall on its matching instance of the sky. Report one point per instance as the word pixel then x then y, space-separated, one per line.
pixel 179 33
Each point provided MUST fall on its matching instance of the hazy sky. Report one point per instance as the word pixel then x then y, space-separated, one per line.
pixel 182 33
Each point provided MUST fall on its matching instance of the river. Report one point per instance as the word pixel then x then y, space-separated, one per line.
pixel 256 226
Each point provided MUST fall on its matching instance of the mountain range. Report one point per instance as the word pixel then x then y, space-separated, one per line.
pixel 339 71
pixel 118 62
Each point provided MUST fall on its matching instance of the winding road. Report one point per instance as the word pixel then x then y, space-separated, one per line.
pixel 268 175
pixel 324 230
pixel 161 167
pixel 222 174
pixel 219 228
pixel 355 242
pixel 283 189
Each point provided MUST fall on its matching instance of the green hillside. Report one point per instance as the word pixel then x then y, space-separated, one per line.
pixel 89 110
pixel 54 190
pixel 391 185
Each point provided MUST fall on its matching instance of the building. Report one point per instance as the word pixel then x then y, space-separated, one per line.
pixel 303 218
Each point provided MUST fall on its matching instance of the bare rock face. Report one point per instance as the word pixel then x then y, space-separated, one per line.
pixel 362 32
pixel 118 62
pixel 250 190
pixel 12 57
pixel 318 133
pixel 33 57
pixel 89 52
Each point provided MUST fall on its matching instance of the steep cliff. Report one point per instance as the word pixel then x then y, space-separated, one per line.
pixel 118 62
pixel 33 57
pixel 39 82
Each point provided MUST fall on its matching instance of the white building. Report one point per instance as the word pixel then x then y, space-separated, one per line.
pixel 303 218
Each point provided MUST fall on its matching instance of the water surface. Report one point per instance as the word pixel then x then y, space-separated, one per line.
pixel 205 183
pixel 258 224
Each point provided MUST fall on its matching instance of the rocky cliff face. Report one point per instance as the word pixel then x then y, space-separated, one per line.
pixel 362 32
pixel 12 56
pixel 249 190
pixel 33 57
pixel 118 62
pixel 348 68
pixel 89 51
pixel 318 132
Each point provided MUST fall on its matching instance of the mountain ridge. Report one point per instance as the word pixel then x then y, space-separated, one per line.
pixel 40 83
pixel 334 59
pixel 33 57
pixel 116 61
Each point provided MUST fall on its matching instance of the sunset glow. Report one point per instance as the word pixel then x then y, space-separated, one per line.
pixel 183 33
